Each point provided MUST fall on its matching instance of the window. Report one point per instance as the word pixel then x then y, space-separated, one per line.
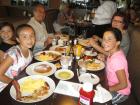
pixel 28 3
pixel 83 4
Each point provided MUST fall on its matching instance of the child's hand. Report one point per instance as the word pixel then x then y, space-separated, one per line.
pixel 101 57
pixel 95 38
pixel 17 87
pixel 92 42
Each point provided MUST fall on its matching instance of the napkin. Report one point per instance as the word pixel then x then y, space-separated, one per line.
pixel 68 88
pixel 72 89
pixel 102 95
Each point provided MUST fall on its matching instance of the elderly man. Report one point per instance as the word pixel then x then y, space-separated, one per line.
pixel 37 22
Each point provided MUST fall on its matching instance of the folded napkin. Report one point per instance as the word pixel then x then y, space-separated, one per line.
pixel 68 88
pixel 102 95
pixel 72 89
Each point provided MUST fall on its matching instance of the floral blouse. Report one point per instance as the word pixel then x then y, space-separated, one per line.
pixel 19 64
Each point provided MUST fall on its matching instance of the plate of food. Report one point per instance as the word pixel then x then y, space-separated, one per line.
pixel 89 77
pixel 41 68
pixel 49 56
pixel 92 64
pixel 34 88
pixel 84 42
pixel 64 74
pixel 59 48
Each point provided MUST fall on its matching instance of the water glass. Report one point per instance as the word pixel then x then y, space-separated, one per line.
pixel 82 70
pixel 65 61
pixel 82 67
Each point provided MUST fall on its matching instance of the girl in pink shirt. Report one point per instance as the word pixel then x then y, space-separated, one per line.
pixel 116 66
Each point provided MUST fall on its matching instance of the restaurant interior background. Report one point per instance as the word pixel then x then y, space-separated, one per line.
pixel 19 11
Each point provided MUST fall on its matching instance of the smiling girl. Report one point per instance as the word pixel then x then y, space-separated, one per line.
pixel 7 32
pixel 17 57
pixel 116 66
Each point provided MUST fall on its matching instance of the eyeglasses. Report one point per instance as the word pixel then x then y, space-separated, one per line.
pixel 117 21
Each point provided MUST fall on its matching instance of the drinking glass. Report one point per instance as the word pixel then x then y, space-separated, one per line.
pixel 82 67
pixel 65 61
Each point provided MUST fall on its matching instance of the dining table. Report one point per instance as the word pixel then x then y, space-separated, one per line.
pixel 55 98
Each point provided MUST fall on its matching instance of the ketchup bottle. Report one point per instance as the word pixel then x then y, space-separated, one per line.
pixel 86 94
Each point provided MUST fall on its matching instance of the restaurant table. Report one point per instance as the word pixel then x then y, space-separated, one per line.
pixel 54 99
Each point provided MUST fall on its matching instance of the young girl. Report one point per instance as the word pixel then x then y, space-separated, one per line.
pixel 116 66
pixel 17 57
pixel 120 22
pixel 7 36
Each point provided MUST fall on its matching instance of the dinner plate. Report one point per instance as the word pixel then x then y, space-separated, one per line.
pixel 97 65
pixel 64 74
pixel 49 81
pixel 42 56
pixel 89 77
pixel 84 42
pixel 58 48
pixel 92 54
pixel 30 70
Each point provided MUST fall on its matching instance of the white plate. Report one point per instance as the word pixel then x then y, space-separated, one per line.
pixel 53 48
pixel 54 52
pixel 47 79
pixel 92 54
pixel 84 42
pixel 57 74
pixel 89 77
pixel 30 69
pixel 101 67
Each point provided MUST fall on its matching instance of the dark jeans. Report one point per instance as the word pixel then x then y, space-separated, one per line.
pixel 97 30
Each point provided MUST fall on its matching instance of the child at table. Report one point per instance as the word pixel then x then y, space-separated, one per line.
pixel 7 36
pixel 116 66
pixel 17 57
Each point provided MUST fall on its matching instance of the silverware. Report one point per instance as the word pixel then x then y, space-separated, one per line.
pixel 78 74
pixel 92 76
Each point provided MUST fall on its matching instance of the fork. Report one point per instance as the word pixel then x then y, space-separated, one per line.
pixel 92 76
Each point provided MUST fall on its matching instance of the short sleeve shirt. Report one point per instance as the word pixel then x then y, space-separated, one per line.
pixel 114 63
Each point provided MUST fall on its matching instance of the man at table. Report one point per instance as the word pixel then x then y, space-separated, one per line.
pixel 37 22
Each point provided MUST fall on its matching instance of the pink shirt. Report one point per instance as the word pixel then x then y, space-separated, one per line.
pixel 114 63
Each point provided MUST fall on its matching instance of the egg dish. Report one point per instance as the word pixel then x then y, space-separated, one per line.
pixel 32 89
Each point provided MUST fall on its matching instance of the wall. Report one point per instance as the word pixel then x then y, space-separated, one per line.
pixel 54 4
pixel 5 2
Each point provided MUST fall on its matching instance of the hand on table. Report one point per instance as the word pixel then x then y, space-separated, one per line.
pixel 48 41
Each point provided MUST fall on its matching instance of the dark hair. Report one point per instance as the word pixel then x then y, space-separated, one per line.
pixel 4 24
pixel 117 33
pixel 124 16
pixel 22 27
pixel 38 5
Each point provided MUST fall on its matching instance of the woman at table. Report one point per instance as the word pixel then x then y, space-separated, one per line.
pixel 116 66
pixel 65 15
pixel 17 57
pixel 120 22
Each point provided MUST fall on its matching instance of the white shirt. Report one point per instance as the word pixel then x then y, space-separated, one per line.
pixel 104 13
pixel 41 34
pixel 19 64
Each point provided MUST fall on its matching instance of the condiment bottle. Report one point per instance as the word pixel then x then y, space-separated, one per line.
pixel 86 94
